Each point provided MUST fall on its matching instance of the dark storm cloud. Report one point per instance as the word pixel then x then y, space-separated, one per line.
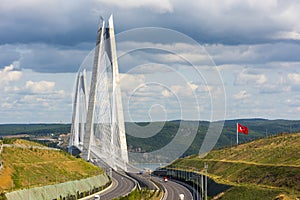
pixel 255 54
pixel 56 22
pixel 59 34
pixel 8 54
pixel 42 58
pixel 73 22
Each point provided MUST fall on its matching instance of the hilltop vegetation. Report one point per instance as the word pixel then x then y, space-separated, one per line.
pixel 283 149
pixel 269 166
pixel 27 164
pixel 258 128
pixel 34 129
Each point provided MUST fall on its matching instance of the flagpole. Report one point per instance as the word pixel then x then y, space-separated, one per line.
pixel 237 134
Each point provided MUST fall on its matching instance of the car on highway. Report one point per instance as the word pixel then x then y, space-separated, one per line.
pixel 165 179
pixel 181 196
pixel 97 197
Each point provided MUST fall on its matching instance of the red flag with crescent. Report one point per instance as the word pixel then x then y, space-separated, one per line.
pixel 242 129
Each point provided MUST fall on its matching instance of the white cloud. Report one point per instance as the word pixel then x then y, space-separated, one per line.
pixel 288 12
pixel 295 78
pixel 130 82
pixel 213 22
pixel 158 5
pixel 223 19
pixel 186 52
pixel 8 75
pixel 274 88
pixel 246 77
pixel 233 54
pixel 192 86
pixel 166 93
pixel 294 102
pixel 8 105
pixel 243 94
pixel 37 101
pixel 204 88
pixel 182 90
pixel 11 89
pixel 40 87
pixel 150 68
pixel 287 35
pixel 32 94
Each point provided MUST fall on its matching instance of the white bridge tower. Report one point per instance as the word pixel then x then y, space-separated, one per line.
pixel 98 128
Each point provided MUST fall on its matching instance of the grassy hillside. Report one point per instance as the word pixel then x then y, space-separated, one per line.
pixel 269 166
pixel 26 164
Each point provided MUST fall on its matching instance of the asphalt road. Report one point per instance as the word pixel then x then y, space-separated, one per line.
pixel 121 185
pixel 174 189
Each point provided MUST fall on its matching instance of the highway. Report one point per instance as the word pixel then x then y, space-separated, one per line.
pixel 174 189
pixel 121 185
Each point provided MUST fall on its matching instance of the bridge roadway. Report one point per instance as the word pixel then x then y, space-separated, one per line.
pixel 174 189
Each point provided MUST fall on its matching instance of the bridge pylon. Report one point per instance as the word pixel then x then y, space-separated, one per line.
pixel 98 119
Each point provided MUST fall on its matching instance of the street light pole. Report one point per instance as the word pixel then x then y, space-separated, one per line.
pixel 205 167
pixel 198 180
pixel 56 186
pixel 28 189
pixel 45 187
pixel 202 189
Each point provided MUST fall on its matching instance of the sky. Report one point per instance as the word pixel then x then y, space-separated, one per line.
pixel 193 59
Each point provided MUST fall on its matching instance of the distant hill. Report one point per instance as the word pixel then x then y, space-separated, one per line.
pixel 34 129
pixel 258 128
pixel 263 169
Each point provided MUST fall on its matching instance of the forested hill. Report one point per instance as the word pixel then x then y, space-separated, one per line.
pixel 161 136
pixel 258 128
pixel 34 129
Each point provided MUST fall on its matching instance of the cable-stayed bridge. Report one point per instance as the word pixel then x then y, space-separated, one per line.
pixel 98 128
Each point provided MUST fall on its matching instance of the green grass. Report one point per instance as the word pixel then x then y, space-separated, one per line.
pixel 138 195
pixel 29 167
pixel 282 149
pixel 250 193
pixel 271 163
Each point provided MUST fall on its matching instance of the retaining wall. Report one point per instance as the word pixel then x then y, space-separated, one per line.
pixel 60 190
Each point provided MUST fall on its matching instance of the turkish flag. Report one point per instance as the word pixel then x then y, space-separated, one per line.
pixel 242 129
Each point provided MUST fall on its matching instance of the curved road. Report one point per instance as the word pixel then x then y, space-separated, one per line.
pixel 174 189
pixel 121 185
